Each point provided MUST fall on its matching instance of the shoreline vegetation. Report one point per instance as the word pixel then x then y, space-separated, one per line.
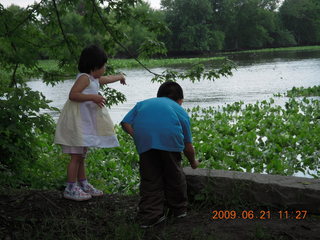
pixel 284 49
pixel 165 62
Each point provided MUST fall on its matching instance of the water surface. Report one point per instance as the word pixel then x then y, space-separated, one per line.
pixel 257 77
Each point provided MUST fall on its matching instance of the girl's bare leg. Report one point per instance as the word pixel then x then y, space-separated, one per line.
pixel 81 170
pixel 73 167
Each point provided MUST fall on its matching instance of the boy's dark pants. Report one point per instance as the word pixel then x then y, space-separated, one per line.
pixel 162 178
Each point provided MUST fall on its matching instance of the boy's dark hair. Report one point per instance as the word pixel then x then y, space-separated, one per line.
pixel 91 58
pixel 171 90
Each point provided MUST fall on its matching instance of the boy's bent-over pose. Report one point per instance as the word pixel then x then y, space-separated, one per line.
pixel 161 130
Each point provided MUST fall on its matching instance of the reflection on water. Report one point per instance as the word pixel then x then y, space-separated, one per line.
pixel 257 78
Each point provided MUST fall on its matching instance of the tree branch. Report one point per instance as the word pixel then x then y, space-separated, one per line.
pixel 117 41
pixel 13 78
pixel 61 28
pixel 13 46
pixel 36 6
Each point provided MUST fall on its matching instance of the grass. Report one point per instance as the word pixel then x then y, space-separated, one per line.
pixel 284 49
pixel 50 65
pixel 167 62
pixel 45 215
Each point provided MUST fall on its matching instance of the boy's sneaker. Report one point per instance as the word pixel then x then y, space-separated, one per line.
pixel 89 189
pixel 181 215
pixel 76 193
pixel 153 222
pixel 177 213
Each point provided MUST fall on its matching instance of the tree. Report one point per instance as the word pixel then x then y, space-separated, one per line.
pixel 211 25
pixel 19 105
pixel 302 18
pixel 281 36
pixel 251 23
pixel 191 26
pixel 142 31
pixel 224 20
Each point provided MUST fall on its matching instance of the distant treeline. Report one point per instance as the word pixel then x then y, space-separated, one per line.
pixel 223 25
pixel 191 27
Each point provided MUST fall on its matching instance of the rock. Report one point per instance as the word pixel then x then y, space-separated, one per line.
pixel 230 188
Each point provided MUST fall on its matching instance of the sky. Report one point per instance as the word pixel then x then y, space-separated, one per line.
pixel 25 3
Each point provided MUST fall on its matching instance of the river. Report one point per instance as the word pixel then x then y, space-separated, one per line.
pixel 257 77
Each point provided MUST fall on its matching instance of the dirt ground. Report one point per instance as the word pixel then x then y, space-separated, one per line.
pixel 31 214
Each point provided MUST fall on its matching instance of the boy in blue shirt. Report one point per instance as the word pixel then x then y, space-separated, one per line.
pixel 161 130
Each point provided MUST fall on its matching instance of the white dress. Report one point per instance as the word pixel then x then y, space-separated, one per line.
pixel 85 124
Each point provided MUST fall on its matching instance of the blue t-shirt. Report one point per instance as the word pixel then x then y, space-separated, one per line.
pixel 159 123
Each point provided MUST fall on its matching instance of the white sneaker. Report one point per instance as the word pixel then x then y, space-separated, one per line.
pixel 182 215
pixel 89 189
pixel 153 222
pixel 76 193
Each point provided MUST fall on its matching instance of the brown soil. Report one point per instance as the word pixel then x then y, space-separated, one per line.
pixel 31 214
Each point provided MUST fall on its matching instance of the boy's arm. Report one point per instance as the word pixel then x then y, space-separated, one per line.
pixel 189 152
pixel 112 79
pixel 128 128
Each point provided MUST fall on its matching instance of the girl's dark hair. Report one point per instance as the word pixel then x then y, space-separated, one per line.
pixel 171 90
pixel 91 58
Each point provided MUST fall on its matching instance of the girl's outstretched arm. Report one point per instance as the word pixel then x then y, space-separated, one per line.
pixel 77 95
pixel 112 79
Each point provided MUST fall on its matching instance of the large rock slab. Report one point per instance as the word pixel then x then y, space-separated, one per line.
pixel 231 187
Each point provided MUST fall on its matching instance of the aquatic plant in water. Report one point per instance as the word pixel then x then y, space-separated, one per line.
pixel 261 137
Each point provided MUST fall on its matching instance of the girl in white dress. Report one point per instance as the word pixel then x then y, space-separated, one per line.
pixel 84 121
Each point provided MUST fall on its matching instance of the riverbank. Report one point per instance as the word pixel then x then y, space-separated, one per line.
pixel 169 62
pixel 285 49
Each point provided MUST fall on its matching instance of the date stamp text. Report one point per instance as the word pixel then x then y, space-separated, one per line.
pixel 260 214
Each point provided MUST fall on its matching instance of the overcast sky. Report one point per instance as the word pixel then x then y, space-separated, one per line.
pixel 24 3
